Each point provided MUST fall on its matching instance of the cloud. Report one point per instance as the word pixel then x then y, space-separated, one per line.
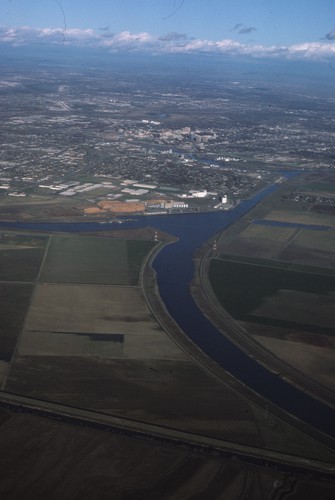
pixel 246 29
pixel 173 42
pixel 330 35
pixel 128 41
pixel 26 35
pixel 170 37
pixel 312 50
pixel 243 30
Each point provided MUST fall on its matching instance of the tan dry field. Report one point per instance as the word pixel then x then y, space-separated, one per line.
pixel 144 375
pixel 299 307
pixel 314 361
pixel 41 208
pixel 98 347
pixel 320 240
pixel 312 248
pixel 120 206
pixel 311 353
pixel 300 217
pixel 86 320
pixel 280 234
pixel 257 241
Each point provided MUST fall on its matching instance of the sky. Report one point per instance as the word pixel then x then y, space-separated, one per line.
pixel 303 29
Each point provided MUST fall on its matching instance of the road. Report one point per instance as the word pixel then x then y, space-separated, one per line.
pixel 165 434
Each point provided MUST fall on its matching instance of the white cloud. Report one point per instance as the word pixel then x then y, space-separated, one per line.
pixel 126 40
pixel 25 35
pixel 173 36
pixel 313 50
pixel 170 43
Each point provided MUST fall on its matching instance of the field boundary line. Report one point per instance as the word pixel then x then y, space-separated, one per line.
pixel 35 284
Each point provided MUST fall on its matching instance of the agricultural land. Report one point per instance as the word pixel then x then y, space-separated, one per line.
pixel 274 274
pixel 102 395
pixel 83 328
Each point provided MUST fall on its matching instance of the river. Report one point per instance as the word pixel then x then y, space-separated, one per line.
pixel 174 268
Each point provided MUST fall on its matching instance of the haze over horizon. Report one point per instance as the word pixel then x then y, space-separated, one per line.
pixel 303 29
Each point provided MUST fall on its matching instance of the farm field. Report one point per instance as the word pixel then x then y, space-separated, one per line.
pixel 279 282
pixel 291 245
pixel 87 320
pixel 108 465
pixel 95 344
pixel 257 241
pixel 21 256
pixel 247 289
pixel 313 355
pixel 174 393
pixel 289 312
pixel 47 208
pixel 84 259
pixel 320 240
pixel 14 301
pixel 312 248
pixel 102 349
pixel 301 217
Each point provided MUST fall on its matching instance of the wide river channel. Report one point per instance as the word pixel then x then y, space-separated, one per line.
pixel 175 269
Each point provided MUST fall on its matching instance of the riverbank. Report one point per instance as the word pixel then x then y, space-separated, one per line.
pixel 175 270
pixel 157 307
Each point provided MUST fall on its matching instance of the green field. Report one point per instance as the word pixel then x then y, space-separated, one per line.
pixel 278 283
pixel 301 217
pixel 20 256
pixel 95 260
pixel 246 289
pixel 276 234
pixel 310 247
pixel 14 300
pixel 320 240
pixel 257 241
pixel 89 340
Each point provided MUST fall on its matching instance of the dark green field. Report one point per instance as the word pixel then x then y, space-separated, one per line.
pixel 14 300
pixel 78 259
pixel 242 287
pixel 20 256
